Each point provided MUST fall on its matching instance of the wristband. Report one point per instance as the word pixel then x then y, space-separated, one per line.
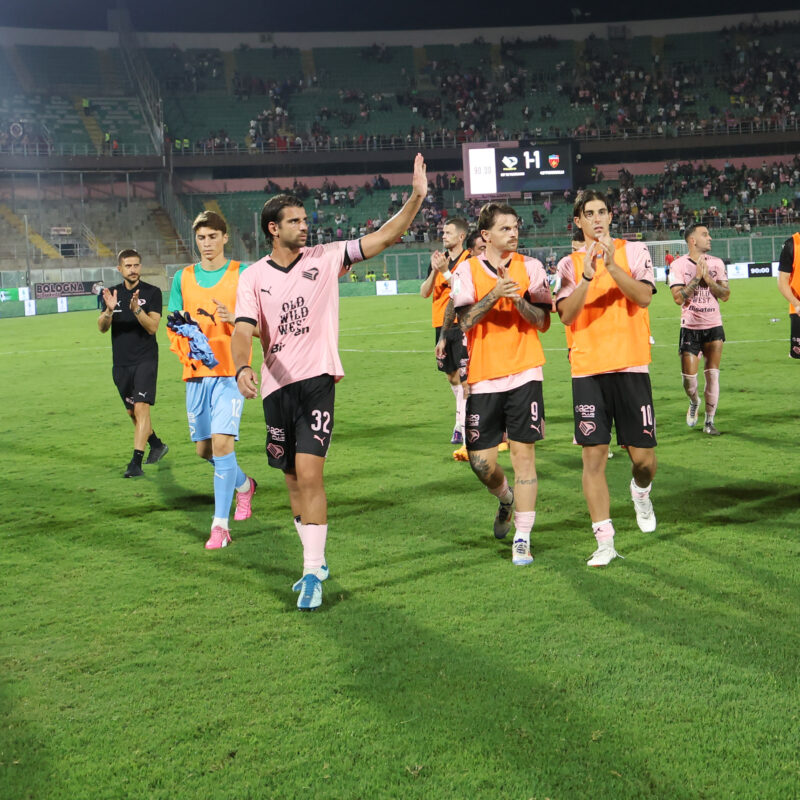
pixel 239 371
pixel 447 274
pixel 588 280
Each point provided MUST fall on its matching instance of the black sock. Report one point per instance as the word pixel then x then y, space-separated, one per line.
pixel 137 457
pixel 153 440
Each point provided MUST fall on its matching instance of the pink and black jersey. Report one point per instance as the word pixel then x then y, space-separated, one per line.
pixel 296 309
pixel 701 311
pixel 463 293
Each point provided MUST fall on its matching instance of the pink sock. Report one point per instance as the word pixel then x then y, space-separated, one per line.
pixel 314 537
pixel 603 530
pixel 523 524
pixel 299 528
pixel 461 408
pixel 690 387
pixel 711 392
pixel 502 493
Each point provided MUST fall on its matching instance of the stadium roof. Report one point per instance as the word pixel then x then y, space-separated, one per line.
pixel 337 15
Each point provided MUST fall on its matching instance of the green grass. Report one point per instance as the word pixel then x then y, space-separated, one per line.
pixel 136 664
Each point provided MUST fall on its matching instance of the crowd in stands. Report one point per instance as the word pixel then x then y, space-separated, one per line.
pixel 656 208
pixel 731 197
pixel 761 85
pixel 750 79
pixel 759 80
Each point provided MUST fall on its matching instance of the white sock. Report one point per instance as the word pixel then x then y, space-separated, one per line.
pixel 221 523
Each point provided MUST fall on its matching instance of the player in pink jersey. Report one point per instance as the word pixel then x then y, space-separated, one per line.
pixel 698 282
pixel 292 297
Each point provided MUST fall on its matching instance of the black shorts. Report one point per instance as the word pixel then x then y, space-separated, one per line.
pixel 794 334
pixel 299 419
pixel 520 413
pixel 455 352
pixel 137 384
pixel 624 398
pixel 691 340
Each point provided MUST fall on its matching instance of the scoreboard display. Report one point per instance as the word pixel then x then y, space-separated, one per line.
pixel 509 168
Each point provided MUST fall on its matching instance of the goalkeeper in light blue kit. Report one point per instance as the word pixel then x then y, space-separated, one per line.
pixel 201 302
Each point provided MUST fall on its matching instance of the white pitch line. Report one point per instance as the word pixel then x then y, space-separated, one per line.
pixel 559 349
pixel 352 350
pixel 54 350
pixel 371 350
pixel 385 333
pixel 386 324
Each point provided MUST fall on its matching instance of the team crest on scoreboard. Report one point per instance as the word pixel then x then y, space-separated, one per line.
pixel 554 160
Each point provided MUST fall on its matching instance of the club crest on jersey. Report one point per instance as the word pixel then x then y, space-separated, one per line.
pixel 587 428
pixel 311 274
pixel 553 160
pixel 275 450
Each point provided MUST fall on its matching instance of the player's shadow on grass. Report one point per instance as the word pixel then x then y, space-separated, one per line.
pixel 497 701
pixel 764 578
pixel 677 608
pixel 273 552
pixel 778 441
pixel 730 504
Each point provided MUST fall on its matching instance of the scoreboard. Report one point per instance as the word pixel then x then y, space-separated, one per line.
pixel 509 168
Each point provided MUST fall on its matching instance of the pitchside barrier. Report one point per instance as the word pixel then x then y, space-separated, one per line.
pixel 54 291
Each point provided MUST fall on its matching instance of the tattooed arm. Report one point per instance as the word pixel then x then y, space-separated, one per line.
pixel 505 287
pixel 536 315
pixel 447 323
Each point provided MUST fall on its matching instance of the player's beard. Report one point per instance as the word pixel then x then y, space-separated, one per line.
pixel 296 242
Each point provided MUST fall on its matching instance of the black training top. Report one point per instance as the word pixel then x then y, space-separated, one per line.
pixel 131 344
pixel 786 263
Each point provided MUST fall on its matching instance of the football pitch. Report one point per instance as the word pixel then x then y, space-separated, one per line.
pixel 135 664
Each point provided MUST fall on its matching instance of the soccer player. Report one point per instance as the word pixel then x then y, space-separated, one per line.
pixel 789 287
pixel 503 299
pixel 132 311
pixel 606 288
pixel 475 243
pixel 207 291
pixel 698 282
pixel 452 359
pixel 668 259
pixel 476 247
pixel 292 297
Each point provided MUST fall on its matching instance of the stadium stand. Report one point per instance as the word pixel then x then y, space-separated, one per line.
pixel 382 96
pixel 80 100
